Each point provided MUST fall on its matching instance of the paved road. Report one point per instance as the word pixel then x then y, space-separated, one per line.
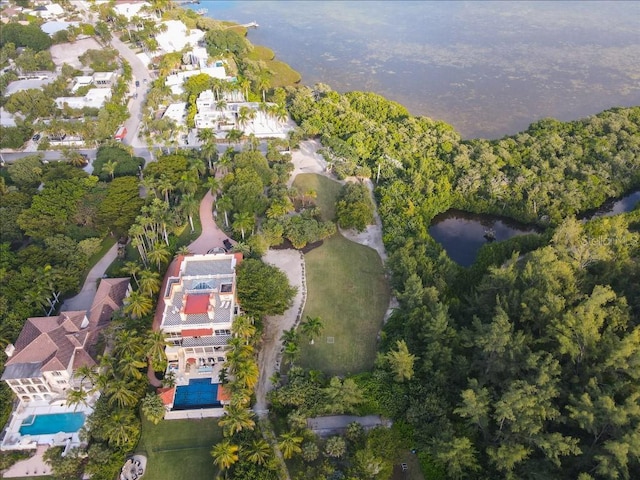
pixel 83 300
pixel 140 73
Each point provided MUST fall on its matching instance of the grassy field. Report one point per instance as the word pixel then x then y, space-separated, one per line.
pixel 346 288
pixel 180 448
pixel 326 189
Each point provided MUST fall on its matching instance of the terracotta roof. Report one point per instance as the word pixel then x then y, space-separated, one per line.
pixel 57 343
pixel 167 394
pixel 197 332
pixel 196 304
pixel 223 394
pixel 46 340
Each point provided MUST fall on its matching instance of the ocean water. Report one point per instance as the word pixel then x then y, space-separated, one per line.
pixel 488 68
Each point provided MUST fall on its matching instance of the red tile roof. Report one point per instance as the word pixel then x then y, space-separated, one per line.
pixel 56 343
pixel 196 304
pixel 223 394
pixel 166 395
pixel 197 332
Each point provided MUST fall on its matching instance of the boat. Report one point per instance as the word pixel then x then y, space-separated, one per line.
pixel 489 235
pixel 202 11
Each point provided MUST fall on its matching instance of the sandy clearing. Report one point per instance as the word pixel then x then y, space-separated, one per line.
pixel 69 52
pixel 292 263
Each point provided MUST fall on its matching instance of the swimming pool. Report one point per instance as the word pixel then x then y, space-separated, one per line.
pixel 200 393
pixel 52 423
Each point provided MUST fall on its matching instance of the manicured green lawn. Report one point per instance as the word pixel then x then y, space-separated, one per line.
pixel 347 289
pixel 326 189
pixel 180 448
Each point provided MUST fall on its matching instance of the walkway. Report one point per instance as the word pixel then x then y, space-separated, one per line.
pixel 211 235
pixel 83 300
pixel 290 262
pixel 337 424
pixel 31 467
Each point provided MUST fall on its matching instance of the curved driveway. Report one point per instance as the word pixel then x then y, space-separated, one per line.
pixel 211 235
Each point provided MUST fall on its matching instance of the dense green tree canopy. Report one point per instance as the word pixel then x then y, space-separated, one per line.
pixel 25 36
pixel 263 289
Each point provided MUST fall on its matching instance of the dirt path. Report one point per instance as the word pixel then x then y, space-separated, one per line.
pixel 292 263
pixel 372 236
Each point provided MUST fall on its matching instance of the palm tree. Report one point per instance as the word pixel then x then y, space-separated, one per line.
pixel 235 420
pixel 234 136
pixel 120 393
pixel 290 352
pixel 243 327
pixel 206 135
pixel 401 362
pixel 210 153
pixel 76 397
pixel 243 221
pixel 289 336
pixel 149 282
pixel 224 203
pixel 188 182
pixel 183 250
pixel 253 142
pixel 224 454
pixel 120 428
pixel 110 168
pixel 190 207
pixel 245 115
pixel 311 328
pixel 159 254
pixel 130 366
pixel 247 373
pixel 214 185
pixel 197 166
pixel 154 346
pixel 164 185
pixel 289 444
pixel 259 452
pixel 132 268
pixel 138 304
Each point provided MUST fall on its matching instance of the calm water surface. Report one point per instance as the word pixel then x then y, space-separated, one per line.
pixel 462 234
pixel 488 68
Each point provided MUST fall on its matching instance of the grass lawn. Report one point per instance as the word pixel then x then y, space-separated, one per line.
pixel 326 189
pixel 179 448
pixel 347 289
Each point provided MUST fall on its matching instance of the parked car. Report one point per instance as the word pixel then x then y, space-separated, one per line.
pixel 137 83
pixel 227 244
pixel 36 137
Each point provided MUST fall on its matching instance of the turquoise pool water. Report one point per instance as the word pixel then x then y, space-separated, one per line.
pixel 52 423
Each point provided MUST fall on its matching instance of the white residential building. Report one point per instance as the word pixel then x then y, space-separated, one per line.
pixel 176 80
pixel 133 9
pixel 177 112
pixel 177 36
pixel 195 311
pixel 95 98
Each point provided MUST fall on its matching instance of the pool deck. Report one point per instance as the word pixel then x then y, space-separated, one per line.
pixel 31 467
pixel 13 440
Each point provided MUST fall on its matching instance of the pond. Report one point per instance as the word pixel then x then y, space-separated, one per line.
pixel 462 234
